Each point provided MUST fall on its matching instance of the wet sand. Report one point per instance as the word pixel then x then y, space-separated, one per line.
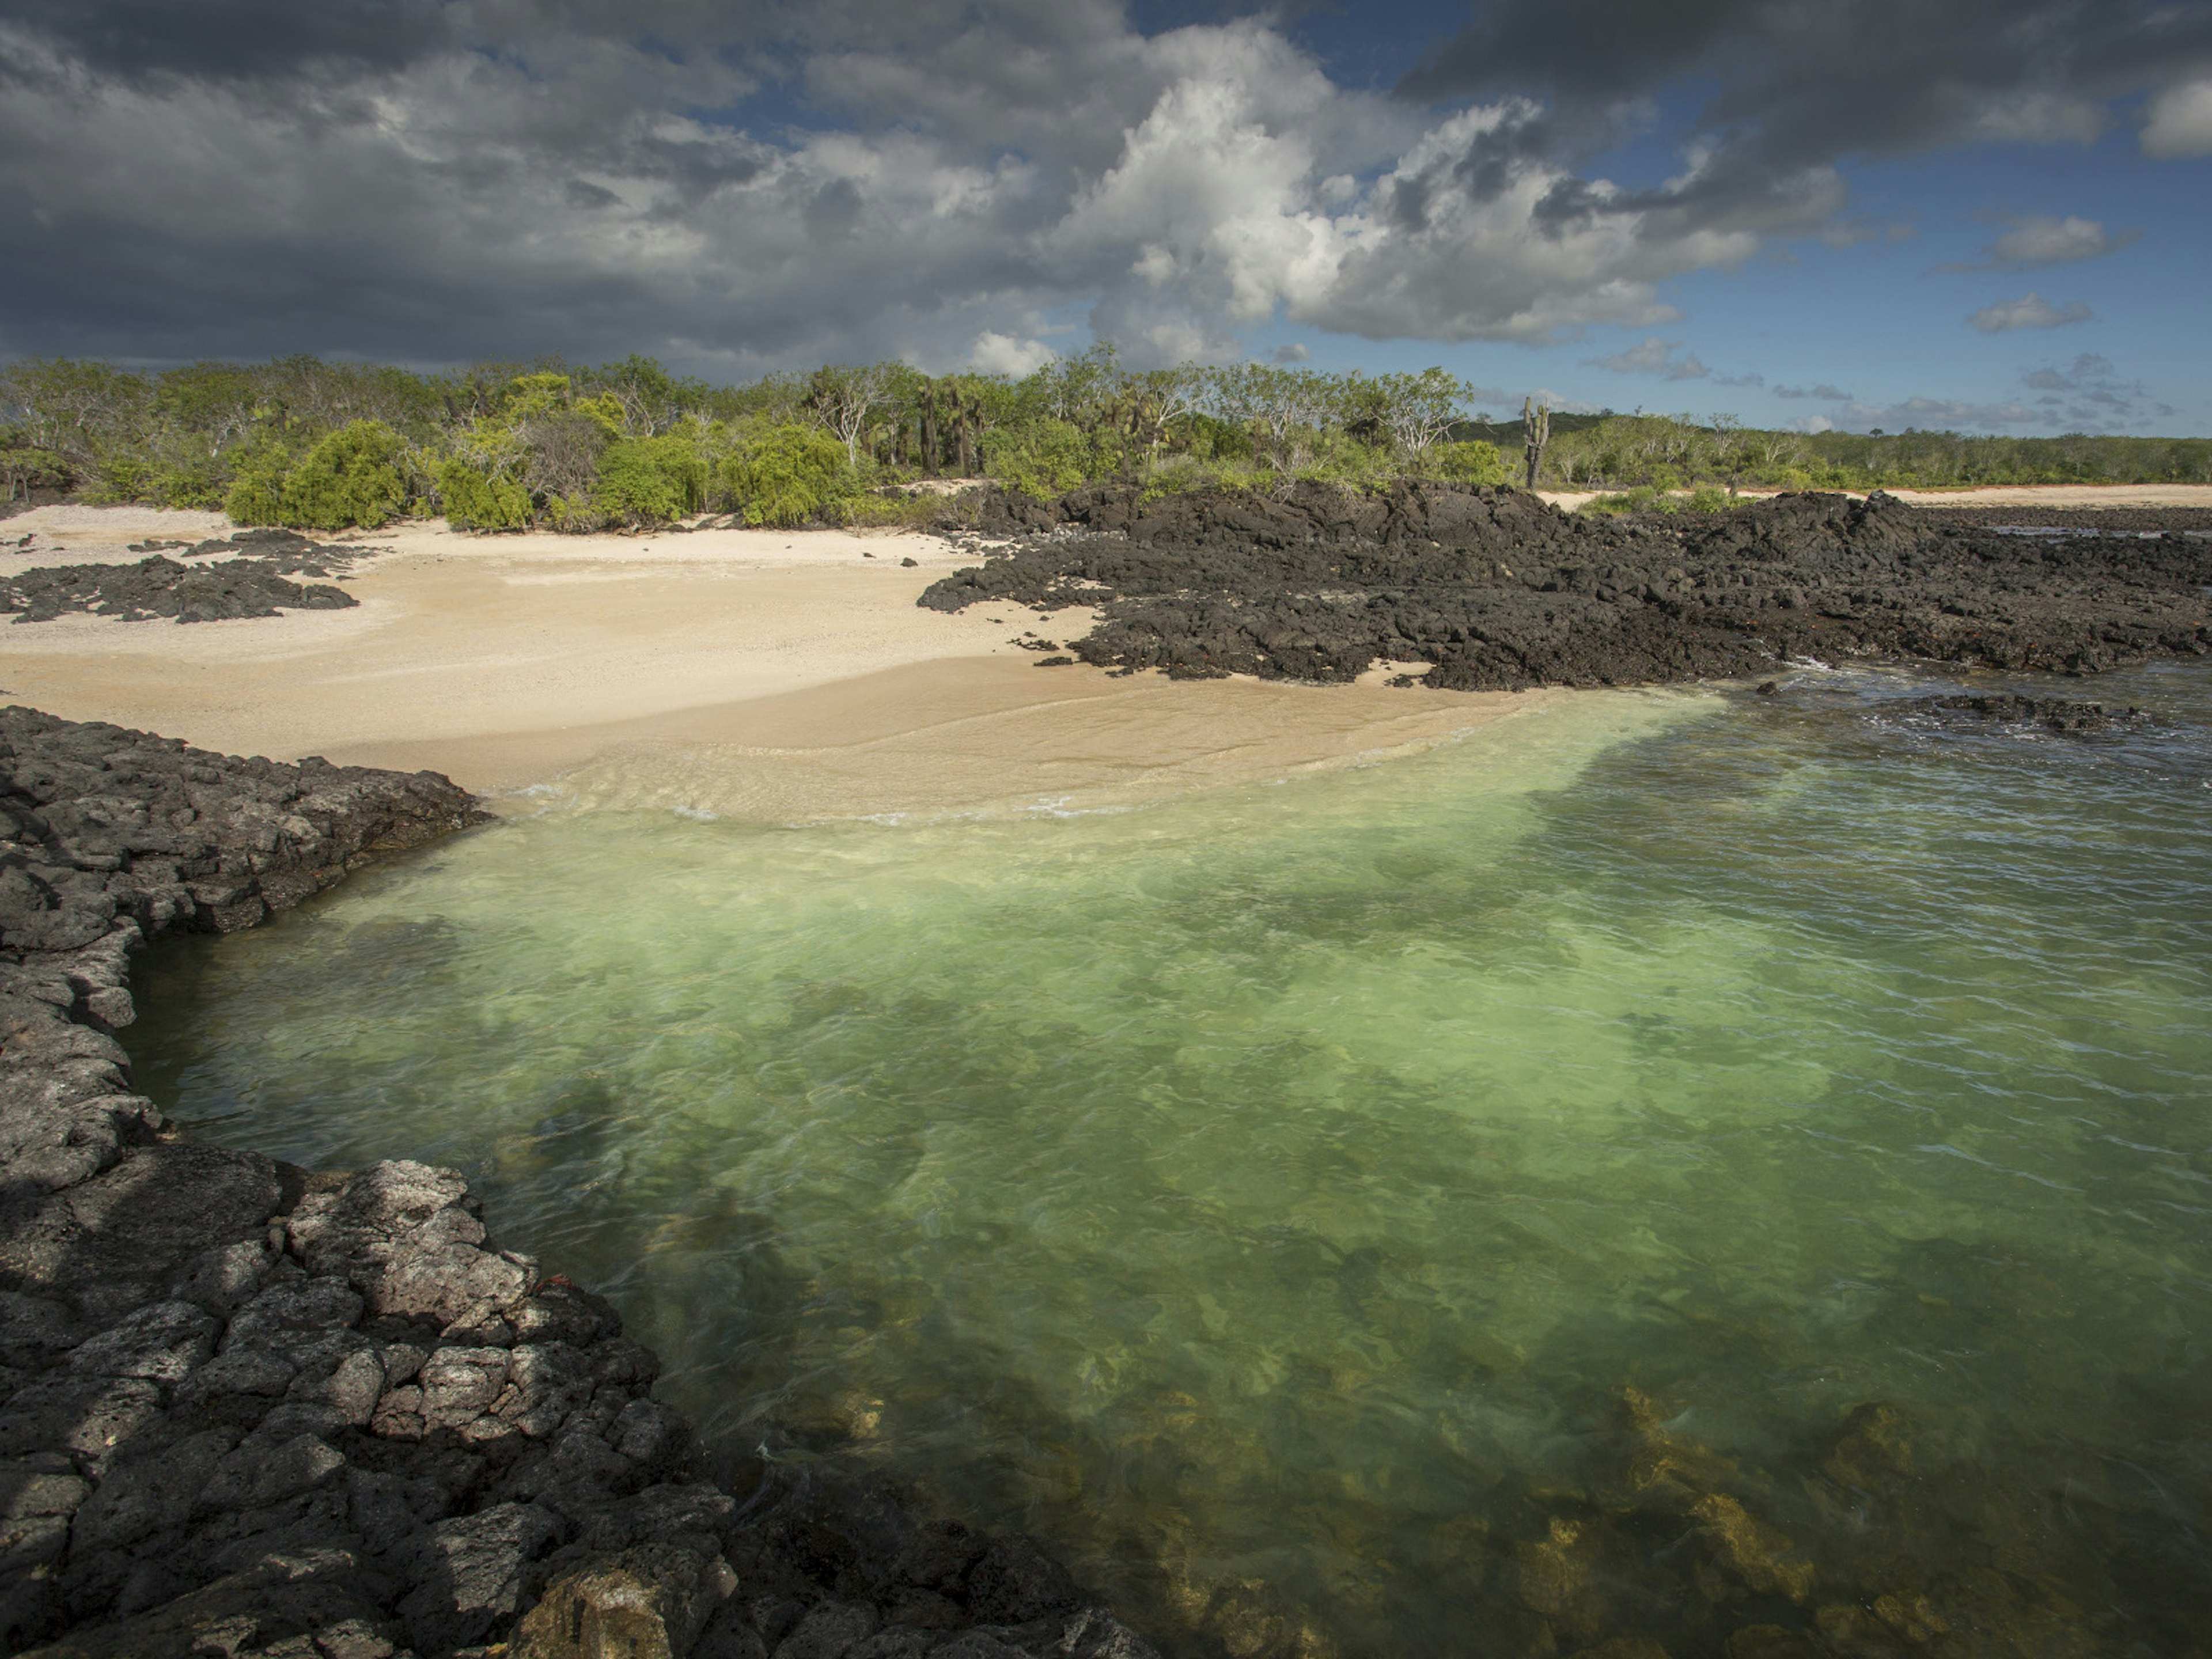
pixel 772 675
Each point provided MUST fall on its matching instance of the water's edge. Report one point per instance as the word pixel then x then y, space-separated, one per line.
pixel 246 1400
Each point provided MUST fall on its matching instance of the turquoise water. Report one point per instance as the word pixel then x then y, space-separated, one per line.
pixel 1729 1170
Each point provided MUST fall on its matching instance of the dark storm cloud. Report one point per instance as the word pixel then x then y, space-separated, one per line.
pixel 730 182
pixel 233 39
pixel 1808 83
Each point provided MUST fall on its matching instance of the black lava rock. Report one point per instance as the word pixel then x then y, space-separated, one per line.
pixel 1498 590
pixel 258 584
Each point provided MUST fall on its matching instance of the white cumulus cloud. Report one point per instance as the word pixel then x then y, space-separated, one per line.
pixel 1002 354
pixel 1654 356
pixel 2042 239
pixel 2180 121
pixel 2031 310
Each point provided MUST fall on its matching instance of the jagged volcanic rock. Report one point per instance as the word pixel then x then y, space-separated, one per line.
pixel 1498 590
pixel 255 583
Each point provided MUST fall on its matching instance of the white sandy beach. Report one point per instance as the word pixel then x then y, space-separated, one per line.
pixel 770 674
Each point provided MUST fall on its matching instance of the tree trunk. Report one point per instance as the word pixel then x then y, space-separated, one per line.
pixel 929 430
pixel 967 418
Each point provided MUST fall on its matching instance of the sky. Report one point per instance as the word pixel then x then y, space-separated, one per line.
pixel 1974 215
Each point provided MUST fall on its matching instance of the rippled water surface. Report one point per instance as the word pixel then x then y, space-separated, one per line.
pixel 1681 1165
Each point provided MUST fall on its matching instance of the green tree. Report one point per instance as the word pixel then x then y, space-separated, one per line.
pixel 1416 410
pixel 650 481
pixel 478 501
pixel 1281 408
pixel 1044 457
pixel 356 476
pixel 788 475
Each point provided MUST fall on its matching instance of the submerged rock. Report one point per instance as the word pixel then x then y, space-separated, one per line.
pixel 2072 719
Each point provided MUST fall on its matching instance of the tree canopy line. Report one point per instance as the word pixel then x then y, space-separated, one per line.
pixel 508 446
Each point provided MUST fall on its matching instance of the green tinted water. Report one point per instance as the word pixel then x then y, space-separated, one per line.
pixel 1674 1165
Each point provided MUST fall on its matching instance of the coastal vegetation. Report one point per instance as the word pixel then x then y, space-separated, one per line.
pixel 508 446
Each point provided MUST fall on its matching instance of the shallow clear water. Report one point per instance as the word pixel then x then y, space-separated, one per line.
pixel 1673 1163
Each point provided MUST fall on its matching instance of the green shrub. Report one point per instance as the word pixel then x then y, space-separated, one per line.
pixel 1338 458
pixel 1708 498
pixel 1046 458
pixel 650 481
pixel 575 514
pixel 891 509
pixel 119 478
pixel 1642 499
pixel 1178 475
pixel 786 476
pixel 474 502
pixel 1471 463
pixel 256 495
pixel 356 476
pixel 198 484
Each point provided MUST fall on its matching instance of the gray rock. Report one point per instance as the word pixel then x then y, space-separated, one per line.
pixel 729 1635
pixel 903 1643
pixel 37 1496
pixel 654 1436
pixel 471 1574
pixel 282 1598
pixel 107 1244
pixel 221 1278
pixel 976 1644
pixel 1015 1582
pixel 1094 1634
pixel 162 1343
pixel 829 1631
pixel 36 1327
pixel 652 1601
pixel 264 1470
pixel 557 1311
pixel 85 1417
pixel 399 1234
pixel 287 1312
pixel 151 1494
pixel 386 1511
pixel 461 1384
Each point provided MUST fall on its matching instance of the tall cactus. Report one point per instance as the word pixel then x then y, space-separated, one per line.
pixel 1535 433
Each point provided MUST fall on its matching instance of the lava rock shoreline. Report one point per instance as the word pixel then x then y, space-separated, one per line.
pixel 248 1409
pixel 1499 591
pixel 253 583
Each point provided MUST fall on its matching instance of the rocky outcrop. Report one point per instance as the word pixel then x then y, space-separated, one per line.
pixel 1972 711
pixel 248 1409
pixel 1497 590
pixel 256 583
